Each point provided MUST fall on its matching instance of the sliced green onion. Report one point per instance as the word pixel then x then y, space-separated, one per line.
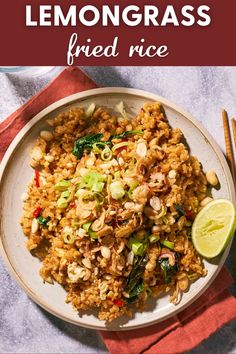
pixel 138 248
pixel 87 226
pixel 132 184
pixel 154 238
pixel 62 185
pixel 104 150
pixel 106 154
pixel 164 219
pixel 69 238
pixel 96 147
pixel 168 244
pixel 93 234
pixel 98 187
pixel 91 178
pixel 120 145
pixel 117 190
pixel 65 194
pixel 62 203
pixel 79 192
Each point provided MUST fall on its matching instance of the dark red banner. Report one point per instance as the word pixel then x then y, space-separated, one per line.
pixel 173 32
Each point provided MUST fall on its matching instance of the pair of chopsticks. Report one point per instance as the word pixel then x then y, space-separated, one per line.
pixel 228 142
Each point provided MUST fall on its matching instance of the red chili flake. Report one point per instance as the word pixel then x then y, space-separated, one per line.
pixel 72 205
pixel 189 215
pixel 37 212
pixel 37 178
pixel 118 302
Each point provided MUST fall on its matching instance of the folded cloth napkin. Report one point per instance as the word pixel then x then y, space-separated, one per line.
pixel 69 81
pixel 176 335
pixel 185 330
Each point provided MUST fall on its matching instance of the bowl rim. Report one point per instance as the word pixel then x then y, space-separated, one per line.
pixel 80 96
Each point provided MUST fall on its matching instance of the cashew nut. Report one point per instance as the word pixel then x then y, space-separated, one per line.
pixel 46 135
pixel 205 201
pixel 212 178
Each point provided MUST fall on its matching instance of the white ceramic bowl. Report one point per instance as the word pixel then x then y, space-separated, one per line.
pixel 15 173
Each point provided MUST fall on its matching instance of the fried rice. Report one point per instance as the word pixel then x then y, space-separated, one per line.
pixel 110 208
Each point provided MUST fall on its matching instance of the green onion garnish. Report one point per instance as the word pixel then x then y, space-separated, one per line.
pixel 62 185
pixel 87 226
pixel 91 233
pixel 69 238
pixel 154 238
pixel 120 145
pixel 104 150
pixel 62 203
pixel 137 246
pixel 65 194
pixel 117 190
pixel 168 244
pixel 93 181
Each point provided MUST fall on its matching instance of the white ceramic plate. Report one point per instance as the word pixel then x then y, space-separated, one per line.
pixel 15 173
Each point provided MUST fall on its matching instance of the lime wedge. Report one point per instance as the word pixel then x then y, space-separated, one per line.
pixel 213 227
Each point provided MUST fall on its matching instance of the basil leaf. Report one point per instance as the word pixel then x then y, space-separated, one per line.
pixel 131 300
pixel 135 274
pixel 85 143
pixel 138 289
pixel 180 211
pixel 167 269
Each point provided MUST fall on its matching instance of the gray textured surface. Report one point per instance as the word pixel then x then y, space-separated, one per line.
pixel 203 91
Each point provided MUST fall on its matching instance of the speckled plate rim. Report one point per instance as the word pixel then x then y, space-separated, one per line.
pixel 80 97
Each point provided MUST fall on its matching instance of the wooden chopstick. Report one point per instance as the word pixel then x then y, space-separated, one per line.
pixel 228 143
pixel 233 121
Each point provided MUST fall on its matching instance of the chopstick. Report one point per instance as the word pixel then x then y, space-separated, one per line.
pixel 228 143
pixel 233 121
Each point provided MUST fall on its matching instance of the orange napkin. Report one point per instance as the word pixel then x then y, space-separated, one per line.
pixel 69 81
pixel 184 331
pixel 176 335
